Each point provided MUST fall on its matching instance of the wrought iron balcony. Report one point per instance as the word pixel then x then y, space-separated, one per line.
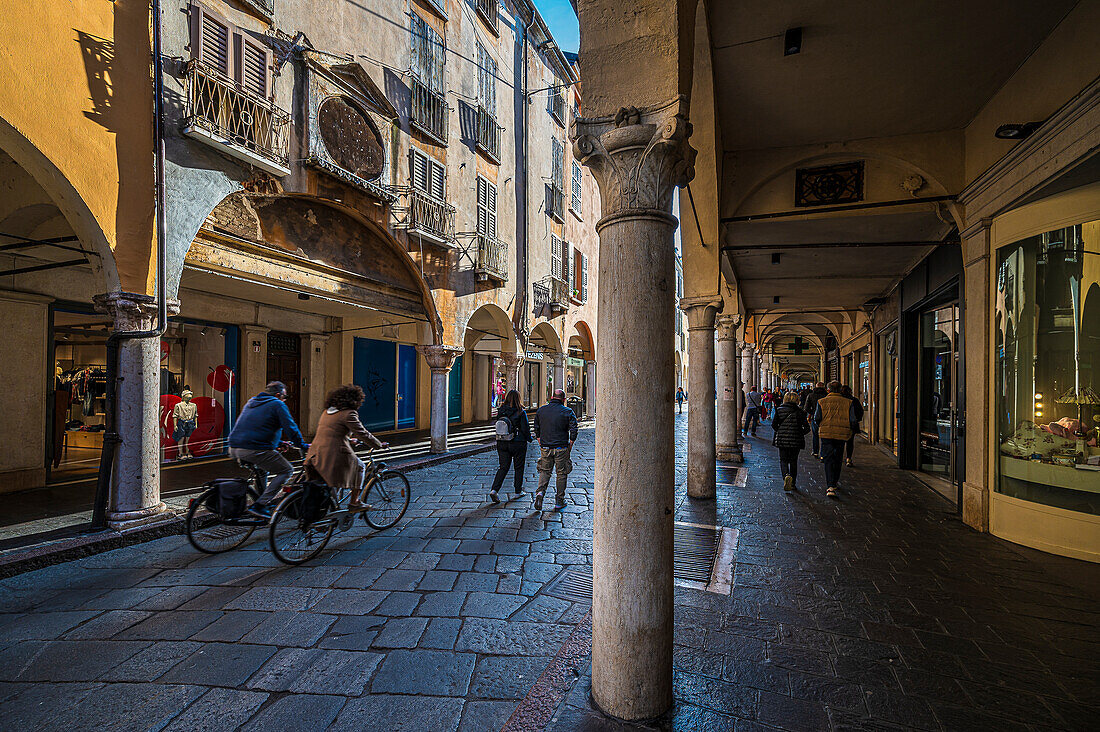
pixel 492 256
pixel 488 134
pixel 428 217
pixel 429 111
pixel 555 202
pixel 559 293
pixel 241 124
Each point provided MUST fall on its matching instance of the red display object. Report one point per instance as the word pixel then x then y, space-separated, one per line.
pixel 207 435
pixel 221 378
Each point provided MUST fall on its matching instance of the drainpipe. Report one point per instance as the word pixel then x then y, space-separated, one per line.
pixel 519 316
pixel 111 438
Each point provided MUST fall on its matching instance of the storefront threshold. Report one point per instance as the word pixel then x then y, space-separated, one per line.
pixel 943 488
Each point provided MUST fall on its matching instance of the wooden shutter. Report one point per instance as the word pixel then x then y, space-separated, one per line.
pixel 210 40
pixel 254 67
pixel 555 257
pixel 570 266
pixel 575 201
pixel 556 155
pixel 584 277
pixel 486 208
pixel 418 171
pixel 436 179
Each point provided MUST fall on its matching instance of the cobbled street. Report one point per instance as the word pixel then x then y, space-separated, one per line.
pixel 854 614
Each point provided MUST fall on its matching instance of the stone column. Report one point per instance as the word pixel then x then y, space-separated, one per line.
pixel 135 482
pixel 559 373
pixel 440 359
pixel 512 364
pixel 701 448
pixel 637 158
pixel 729 390
pixel 590 404
pixel 977 249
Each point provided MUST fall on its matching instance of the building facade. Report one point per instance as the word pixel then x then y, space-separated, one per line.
pixel 383 197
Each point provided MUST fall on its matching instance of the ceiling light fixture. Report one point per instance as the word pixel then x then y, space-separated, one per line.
pixel 775 258
pixel 792 41
pixel 1016 130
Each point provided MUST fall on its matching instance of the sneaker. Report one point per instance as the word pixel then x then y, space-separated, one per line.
pixel 831 493
pixel 260 510
pixel 538 501
pixel 788 483
pixel 849 463
pixel 559 506
pixel 493 497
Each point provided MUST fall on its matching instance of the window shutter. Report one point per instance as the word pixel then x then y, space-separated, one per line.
pixel 491 209
pixel 482 223
pixel 555 257
pixel 418 171
pixel 210 40
pixel 566 269
pixel 416 61
pixel 556 161
pixel 254 67
pixel 436 180
pixel 584 277
pixel 575 201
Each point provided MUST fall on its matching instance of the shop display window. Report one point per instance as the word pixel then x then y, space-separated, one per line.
pixel 1048 369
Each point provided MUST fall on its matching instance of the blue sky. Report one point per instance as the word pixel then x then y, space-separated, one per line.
pixel 559 15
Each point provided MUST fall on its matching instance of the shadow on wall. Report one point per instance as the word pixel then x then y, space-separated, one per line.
pixel 399 94
pixel 467 125
pixel 99 57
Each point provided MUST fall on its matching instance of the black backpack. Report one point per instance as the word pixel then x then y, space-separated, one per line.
pixel 229 498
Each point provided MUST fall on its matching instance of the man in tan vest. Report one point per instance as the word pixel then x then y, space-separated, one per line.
pixel 835 415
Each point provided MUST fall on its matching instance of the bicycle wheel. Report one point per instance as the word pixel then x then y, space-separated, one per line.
pixel 292 540
pixel 386 499
pixel 209 533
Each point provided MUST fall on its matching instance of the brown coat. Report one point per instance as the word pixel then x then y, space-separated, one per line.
pixel 330 454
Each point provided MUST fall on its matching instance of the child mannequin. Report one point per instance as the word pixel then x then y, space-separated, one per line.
pixel 185 414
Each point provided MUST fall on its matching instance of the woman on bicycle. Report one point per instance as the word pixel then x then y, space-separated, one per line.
pixel 330 454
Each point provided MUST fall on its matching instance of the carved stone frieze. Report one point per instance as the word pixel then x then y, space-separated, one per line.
pixel 638 156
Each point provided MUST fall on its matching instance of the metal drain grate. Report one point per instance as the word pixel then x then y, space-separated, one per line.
pixel 726 474
pixel 694 550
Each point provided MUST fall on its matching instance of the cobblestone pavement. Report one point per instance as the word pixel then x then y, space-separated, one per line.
pixel 876 611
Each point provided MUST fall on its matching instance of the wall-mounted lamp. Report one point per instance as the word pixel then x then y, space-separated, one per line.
pixel 792 41
pixel 1016 131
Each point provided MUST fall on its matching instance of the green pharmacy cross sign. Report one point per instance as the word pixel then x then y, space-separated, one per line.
pixel 797 346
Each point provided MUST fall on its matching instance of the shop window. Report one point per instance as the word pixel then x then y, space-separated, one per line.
pixel 1048 369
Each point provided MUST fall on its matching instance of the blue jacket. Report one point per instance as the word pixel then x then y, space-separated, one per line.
pixel 555 425
pixel 263 422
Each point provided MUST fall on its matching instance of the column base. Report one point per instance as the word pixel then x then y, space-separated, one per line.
pixel 975 508
pixel 123 520
pixel 730 453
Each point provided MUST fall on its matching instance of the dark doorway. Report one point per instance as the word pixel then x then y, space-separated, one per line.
pixel 284 363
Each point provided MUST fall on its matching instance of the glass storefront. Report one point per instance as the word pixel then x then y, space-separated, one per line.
pixel 888 375
pixel 1047 364
pixel 938 370
pixel 532 370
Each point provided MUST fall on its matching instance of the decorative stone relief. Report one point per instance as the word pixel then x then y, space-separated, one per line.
pixel 638 156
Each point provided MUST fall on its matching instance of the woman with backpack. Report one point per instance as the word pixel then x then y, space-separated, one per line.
pixel 790 426
pixel 513 433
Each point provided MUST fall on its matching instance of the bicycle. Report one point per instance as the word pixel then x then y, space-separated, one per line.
pixel 303 522
pixel 212 533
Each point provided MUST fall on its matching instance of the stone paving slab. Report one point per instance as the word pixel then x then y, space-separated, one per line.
pixel 880 611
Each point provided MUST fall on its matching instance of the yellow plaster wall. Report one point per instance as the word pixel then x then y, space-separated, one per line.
pixel 75 82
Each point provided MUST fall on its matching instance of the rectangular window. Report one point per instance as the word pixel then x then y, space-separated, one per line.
pixel 234 53
pixel 557 160
pixel 556 104
pixel 428 55
pixel 486 208
pixel 427 175
pixel 556 250
pixel 575 182
pixel 486 80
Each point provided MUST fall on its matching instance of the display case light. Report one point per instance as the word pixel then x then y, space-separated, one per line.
pixel 1038 395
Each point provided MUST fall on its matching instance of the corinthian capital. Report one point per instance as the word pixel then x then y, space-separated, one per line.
pixel 726 326
pixel 638 156
pixel 439 358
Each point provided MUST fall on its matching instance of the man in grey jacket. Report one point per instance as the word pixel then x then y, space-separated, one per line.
pixel 555 428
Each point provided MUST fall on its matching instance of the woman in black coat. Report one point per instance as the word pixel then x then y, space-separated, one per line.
pixel 512 452
pixel 790 426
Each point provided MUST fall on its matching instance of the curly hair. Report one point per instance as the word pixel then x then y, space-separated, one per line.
pixel 348 396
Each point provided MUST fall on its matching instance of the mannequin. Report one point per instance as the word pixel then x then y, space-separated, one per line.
pixel 185 415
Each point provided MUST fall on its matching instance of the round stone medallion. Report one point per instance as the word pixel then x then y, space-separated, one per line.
pixel 350 138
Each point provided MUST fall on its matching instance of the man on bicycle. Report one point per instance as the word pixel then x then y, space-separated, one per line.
pixel 264 422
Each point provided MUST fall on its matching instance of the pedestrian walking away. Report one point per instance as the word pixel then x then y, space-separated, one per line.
pixel 681 397
pixel 331 455
pixel 850 446
pixel 766 399
pixel 264 422
pixel 754 400
pixel 789 424
pixel 810 408
pixel 835 414
pixel 556 430
pixel 513 433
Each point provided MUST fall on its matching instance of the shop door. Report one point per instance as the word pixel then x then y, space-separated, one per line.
pixel 938 393
pixel 373 369
pixel 454 392
pixel 284 363
pixel 406 387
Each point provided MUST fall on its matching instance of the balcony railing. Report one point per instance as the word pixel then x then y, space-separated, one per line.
pixel 241 124
pixel 487 9
pixel 559 293
pixel 555 202
pixel 429 111
pixel 488 134
pixel 556 105
pixel 428 217
pixel 492 255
